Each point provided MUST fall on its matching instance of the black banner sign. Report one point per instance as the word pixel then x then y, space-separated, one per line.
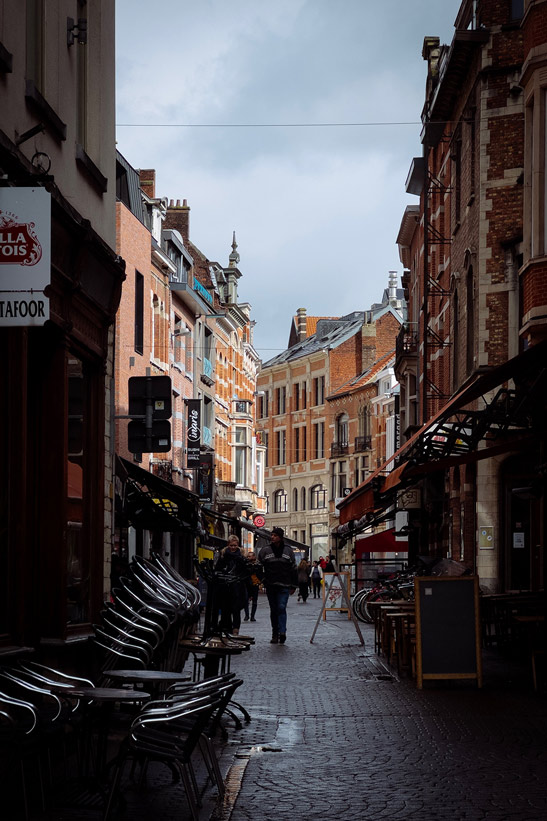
pixel 193 434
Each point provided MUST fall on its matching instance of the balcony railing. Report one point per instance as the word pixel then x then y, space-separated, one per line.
pixel 338 449
pixel 406 344
pixel 362 443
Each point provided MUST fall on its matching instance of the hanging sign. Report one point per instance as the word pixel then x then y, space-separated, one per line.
pixel 206 477
pixel 193 433
pixel 25 255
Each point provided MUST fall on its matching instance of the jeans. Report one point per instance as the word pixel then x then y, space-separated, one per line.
pixel 277 599
pixel 253 600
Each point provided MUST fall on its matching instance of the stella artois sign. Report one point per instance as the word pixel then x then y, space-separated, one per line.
pixel 25 252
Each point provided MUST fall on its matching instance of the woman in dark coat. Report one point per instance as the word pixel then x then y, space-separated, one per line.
pixel 234 587
pixel 303 580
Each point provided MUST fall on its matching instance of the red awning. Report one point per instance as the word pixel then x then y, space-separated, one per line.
pixel 531 361
pixel 383 542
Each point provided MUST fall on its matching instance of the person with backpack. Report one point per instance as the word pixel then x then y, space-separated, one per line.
pixel 315 578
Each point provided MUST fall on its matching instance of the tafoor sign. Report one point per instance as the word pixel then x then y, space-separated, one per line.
pixel 25 255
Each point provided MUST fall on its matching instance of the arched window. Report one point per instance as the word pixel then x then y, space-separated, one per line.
pixel 280 501
pixel 470 313
pixel 303 499
pixel 318 497
pixel 342 423
pixel 295 499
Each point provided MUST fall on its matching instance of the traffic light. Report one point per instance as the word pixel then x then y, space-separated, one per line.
pixel 149 430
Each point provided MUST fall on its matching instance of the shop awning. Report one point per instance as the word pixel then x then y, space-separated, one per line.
pixel 154 504
pixel 382 542
pixel 456 435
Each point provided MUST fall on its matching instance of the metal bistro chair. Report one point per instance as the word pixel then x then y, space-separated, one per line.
pixel 168 734
pixel 19 745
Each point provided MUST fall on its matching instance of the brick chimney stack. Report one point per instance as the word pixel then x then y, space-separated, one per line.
pixel 301 323
pixel 147 178
pixel 178 218
pixel 368 345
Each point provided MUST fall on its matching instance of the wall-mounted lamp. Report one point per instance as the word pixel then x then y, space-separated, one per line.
pixel 76 31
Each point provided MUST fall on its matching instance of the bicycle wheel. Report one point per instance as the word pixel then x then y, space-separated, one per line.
pixel 356 603
pixel 383 595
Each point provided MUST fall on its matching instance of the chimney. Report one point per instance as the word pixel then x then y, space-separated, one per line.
pixel 147 178
pixel 368 346
pixel 301 323
pixel 393 289
pixel 178 217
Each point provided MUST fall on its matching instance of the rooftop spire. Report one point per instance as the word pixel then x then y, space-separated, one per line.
pixel 234 256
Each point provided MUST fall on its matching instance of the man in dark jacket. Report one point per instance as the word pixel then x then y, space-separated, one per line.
pixel 279 565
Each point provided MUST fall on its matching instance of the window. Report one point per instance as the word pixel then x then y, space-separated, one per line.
pixel 303 536
pixel 300 444
pixel 179 347
pixel 319 390
pixel 319 440
pixel 318 497
pixel 342 429
pixel 457 159
pixel 303 396
pixel 281 446
pixel 259 473
pixel 280 400
pixel 361 469
pixel 139 313
pixel 303 499
pixel 240 459
pixel 295 500
pixel 517 9
pixel 263 406
pixel 280 501
pixel 266 451
pixel 296 396
pixel 470 311
pixel 338 479
pixel 36 31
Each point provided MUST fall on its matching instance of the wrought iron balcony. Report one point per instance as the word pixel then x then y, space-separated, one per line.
pixel 406 344
pixel 338 449
pixel 362 443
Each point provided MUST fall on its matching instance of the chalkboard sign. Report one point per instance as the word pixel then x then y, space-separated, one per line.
pixel 333 595
pixel 447 628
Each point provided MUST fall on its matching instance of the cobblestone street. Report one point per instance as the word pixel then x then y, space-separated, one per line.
pixel 335 734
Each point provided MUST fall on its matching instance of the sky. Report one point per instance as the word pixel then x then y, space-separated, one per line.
pixel 292 123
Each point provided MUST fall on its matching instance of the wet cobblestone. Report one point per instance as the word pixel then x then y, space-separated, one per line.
pixel 335 733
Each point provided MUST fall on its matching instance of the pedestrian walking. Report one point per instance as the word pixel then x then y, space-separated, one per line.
pixel 279 565
pixel 303 578
pixel 234 587
pixel 329 566
pixel 255 573
pixel 322 562
pixel 316 580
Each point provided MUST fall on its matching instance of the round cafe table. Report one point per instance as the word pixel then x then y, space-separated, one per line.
pixel 152 680
pixel 100 702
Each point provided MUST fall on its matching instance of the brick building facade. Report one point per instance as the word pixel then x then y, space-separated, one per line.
pixel 469 358
pixel 313 412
